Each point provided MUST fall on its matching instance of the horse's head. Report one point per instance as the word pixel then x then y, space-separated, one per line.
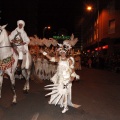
pixel 1 28
pixel 3 33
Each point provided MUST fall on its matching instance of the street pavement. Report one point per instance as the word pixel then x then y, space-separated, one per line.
pixel 97 91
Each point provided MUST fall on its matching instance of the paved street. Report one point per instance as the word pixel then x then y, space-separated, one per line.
pixel 98 93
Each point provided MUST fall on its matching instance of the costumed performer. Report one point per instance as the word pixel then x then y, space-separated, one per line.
pixel 62 79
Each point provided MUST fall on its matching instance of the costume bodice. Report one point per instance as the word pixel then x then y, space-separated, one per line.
pixel 63 70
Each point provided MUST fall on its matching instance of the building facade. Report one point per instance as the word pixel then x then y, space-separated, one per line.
pixel 101 34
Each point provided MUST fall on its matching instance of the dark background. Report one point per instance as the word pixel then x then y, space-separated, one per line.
pixel 61 15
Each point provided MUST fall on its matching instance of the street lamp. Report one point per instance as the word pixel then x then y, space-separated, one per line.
pixel 45 28
pixel 89 8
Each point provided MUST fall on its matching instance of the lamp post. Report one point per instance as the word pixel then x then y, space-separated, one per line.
pixel 90 8
pixel 98 25
pixel 45 29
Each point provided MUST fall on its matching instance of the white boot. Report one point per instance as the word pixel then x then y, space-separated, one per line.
pixel 64 110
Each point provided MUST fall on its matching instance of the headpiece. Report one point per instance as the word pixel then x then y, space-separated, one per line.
pixel 67 44
pixel 64 47
pixel 21 22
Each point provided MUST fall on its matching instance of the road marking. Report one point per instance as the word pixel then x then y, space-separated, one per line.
pixel 35 116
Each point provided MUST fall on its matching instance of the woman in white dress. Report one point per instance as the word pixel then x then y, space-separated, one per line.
pixel 61 89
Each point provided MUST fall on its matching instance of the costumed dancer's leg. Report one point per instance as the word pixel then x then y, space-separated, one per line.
pixel 69 97
pixel 65 104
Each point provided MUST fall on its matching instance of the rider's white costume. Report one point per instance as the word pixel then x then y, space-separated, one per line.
pixel 19 34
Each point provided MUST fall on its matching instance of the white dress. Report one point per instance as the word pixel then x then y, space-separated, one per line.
pixel 61 89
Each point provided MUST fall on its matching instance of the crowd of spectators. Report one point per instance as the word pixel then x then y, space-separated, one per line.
pixel 111 63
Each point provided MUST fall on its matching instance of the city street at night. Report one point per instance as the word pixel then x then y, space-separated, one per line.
pixel 97 91
pixel 60 60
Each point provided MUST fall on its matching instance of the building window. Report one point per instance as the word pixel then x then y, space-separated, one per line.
pixel 111 26
pixel 95 31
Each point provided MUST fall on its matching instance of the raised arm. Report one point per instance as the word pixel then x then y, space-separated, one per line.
pixel 52 59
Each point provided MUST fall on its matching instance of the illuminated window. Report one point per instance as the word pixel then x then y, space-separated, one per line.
pixel 111 26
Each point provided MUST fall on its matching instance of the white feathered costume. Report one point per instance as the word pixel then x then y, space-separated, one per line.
pixel 61 89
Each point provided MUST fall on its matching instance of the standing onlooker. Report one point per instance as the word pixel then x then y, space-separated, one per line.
pixel 89 62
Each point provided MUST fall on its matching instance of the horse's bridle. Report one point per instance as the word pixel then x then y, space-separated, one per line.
pixel 0 30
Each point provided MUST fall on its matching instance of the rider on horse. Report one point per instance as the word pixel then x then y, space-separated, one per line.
pixel 20 40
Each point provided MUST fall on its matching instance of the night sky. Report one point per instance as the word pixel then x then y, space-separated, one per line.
pixel 37 14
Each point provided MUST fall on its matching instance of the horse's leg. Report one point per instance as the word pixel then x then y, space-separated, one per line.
pixel 12 78
pixel 26 74
pixel 1 82
pixel 27 80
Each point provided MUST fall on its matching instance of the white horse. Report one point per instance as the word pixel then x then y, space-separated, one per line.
pixel 8 63
pixel 8 60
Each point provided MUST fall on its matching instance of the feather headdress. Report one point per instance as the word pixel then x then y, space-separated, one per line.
pixel 67 44
pixel 64 47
